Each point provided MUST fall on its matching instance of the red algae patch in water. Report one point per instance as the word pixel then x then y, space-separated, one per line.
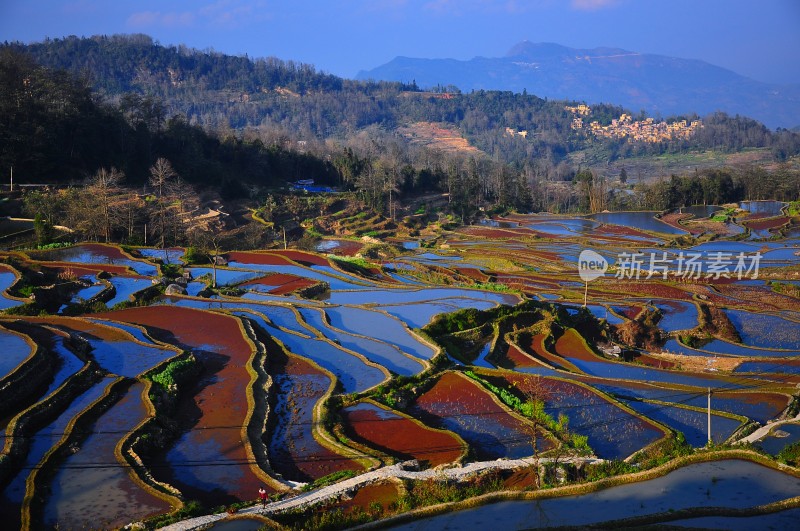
pixel 384 493
pixel 72 269
pixel 396 435
pixel 283 283
pixel 245 257
pixel 514 358
pixel 572 345
pixel 219 407
pixel 458 404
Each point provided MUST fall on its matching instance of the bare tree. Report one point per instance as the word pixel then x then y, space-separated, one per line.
pixel 102 189
pixel 162 175
pixel 208 242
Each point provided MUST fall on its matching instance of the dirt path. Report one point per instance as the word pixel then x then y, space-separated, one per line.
pixel 351 485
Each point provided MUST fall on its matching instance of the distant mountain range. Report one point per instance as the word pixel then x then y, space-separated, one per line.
pixel 658 84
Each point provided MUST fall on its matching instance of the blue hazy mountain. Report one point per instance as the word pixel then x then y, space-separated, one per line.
pixel 656 83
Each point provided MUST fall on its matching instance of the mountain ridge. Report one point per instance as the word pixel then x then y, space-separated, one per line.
pixel 657 84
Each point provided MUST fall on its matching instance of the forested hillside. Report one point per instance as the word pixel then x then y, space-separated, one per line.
pixel 295 101
pixel 245 128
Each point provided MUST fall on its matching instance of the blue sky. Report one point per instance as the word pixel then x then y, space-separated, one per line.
pixel 756 38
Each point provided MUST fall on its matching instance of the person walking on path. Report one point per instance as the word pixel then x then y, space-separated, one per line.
pixel 263 495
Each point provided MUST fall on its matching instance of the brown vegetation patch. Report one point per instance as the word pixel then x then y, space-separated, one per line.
pixel 674 219
pixel 384 493
pixel 400 436
pixel 497 233
pixel 694 363
pixel 474 273
pixel 437 136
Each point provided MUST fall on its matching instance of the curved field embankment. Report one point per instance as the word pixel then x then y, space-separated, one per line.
pixel 211 459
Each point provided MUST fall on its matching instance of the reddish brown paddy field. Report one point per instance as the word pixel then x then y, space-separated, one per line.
pixel 514 358
pixel 675 218
pixel 209 460
pixel 458 404
pixel 621 232
pixel 74 270
pixel 257 258
pixel 764 296
pixel 474 273
pixel 283 283
pixel 497 233
pixel 572 345
pixel 652 288
pixel 385 493
pixel 396 435
pixel 768 223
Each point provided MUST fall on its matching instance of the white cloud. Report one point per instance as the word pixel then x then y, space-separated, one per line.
pixel 222 13
pixel 593 5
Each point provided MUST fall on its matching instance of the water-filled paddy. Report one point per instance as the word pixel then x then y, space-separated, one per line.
pixel 83 495
pixel 366 323
pixel 637 220
pixel 463 407
pixel 41 442
pixel 388 356
pixel 90 253
pixel 13 351
pixel 730 483
pixel 766 331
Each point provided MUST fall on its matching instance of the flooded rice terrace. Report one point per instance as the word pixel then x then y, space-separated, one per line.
pixel 125 402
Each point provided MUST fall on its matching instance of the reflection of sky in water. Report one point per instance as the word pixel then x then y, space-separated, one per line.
pixel 388 356
pixel 730 483
pixel 6 280
pixel 89 255
pixel 693 424
pixel 375 324
pixel 354 375
pixel 771 208
pixel 420 314
pixel 125 287
pixel 767 367
pixel 637 220
pixel 14 351
pixel 766 331
pixel 173 256
pixel 45 438
pixel 773 445
pixel 127 358
pixel 225 277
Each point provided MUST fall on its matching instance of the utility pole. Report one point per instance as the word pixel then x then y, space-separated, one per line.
pixel 709 417
pixel 12 179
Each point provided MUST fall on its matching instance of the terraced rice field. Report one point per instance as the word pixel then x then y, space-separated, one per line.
pixel 208 399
